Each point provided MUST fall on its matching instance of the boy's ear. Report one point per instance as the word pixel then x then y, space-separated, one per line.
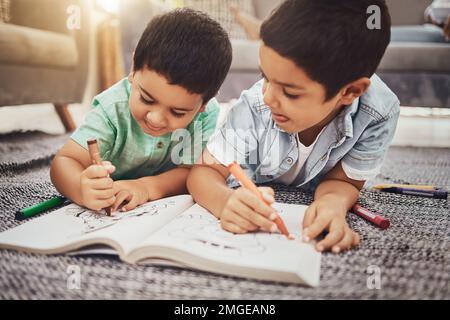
pixel 354 90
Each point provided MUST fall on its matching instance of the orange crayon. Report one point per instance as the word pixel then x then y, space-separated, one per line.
pixel 94 152
pixel 237 171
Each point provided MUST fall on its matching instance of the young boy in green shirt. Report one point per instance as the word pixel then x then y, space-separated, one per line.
pixel 152 125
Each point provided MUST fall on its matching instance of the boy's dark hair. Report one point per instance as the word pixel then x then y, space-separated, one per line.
pixel 329 39
pixel 188 48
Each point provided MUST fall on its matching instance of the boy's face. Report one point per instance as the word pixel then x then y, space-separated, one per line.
pixel 297 102
pixel 160 107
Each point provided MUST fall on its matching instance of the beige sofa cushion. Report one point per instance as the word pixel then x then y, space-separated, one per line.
pixel 263 8
pixel 416 56
pixel 23 45
pixel 245 55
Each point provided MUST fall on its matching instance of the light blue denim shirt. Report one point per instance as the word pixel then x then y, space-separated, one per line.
pixel 359 136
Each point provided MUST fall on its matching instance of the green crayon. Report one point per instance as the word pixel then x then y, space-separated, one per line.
pixel 39 208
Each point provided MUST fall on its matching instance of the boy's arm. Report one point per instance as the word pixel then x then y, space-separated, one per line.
pixel 341 189
pixel 167 184
pixel 207 184
pixel 68 172
pixel 139 191
pixel 334 196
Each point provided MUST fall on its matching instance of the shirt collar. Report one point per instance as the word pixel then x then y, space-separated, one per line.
pixel 344 121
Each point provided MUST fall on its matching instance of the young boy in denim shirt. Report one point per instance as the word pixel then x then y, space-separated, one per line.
pixel 144 122
pixel 319 120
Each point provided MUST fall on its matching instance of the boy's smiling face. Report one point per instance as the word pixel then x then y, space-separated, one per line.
pixel 159 107
pixel 297 102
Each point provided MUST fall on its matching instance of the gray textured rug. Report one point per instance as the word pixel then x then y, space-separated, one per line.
pixel 413 255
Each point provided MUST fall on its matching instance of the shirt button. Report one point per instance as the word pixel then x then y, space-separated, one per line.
pixel 289 160
pixel 160 145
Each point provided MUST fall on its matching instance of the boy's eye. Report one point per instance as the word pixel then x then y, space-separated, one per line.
pixel 177 114
pixel 145 101
pixel 290 96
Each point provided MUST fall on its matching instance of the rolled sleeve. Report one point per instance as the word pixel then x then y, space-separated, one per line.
pixel 365 159
pixel 199 131
pixel 96 125
pixel 209 123
pixel 236 139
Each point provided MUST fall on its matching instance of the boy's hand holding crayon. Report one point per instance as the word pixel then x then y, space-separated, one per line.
pixel 97 187
pixel 244 211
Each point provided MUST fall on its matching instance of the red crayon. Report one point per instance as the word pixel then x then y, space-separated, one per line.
pixel 376 219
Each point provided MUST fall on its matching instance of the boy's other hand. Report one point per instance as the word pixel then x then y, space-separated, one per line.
pixel 97 187
pixel 323 215
pixel 244 212
pixel 131 192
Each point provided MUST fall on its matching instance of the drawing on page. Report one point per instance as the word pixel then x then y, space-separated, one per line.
pixel 212 237
pixel 200 229
pixel 94 221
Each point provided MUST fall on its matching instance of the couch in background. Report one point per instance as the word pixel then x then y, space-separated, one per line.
pixel 42 58
pixel 416 65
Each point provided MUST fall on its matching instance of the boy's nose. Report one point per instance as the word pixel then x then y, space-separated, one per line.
pixel 156 119
pixel 269 98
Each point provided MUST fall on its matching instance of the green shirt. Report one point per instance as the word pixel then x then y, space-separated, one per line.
pixel 134 153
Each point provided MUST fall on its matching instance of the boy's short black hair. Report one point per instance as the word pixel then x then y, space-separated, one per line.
pixel 329 39
pixel 188 48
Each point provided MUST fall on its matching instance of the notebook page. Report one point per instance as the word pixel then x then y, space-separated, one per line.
pixel 199 233
pixel 72 224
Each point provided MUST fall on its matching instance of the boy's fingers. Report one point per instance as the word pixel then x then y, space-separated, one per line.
pixel 336 234
pixel 109 166
pixel 102 183
pixel 110 169
pixel 231 227
pixel 255 203
pixel 102 204
pixel 96 171
pixel 269 193
pixel 103 194
pixel 345 243
pixel 245 224
pixel 317 227
pixel 310 215
pixel 121 197
pixel 133 203
pixel 356 239
pixel 254 217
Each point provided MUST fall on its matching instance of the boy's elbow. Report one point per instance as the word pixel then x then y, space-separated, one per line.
pixel 192 179
pixel 54 172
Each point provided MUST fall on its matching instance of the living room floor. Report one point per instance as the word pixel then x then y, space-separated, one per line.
pixel 419 127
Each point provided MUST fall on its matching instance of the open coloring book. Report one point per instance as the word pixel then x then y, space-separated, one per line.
pixel 177 231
